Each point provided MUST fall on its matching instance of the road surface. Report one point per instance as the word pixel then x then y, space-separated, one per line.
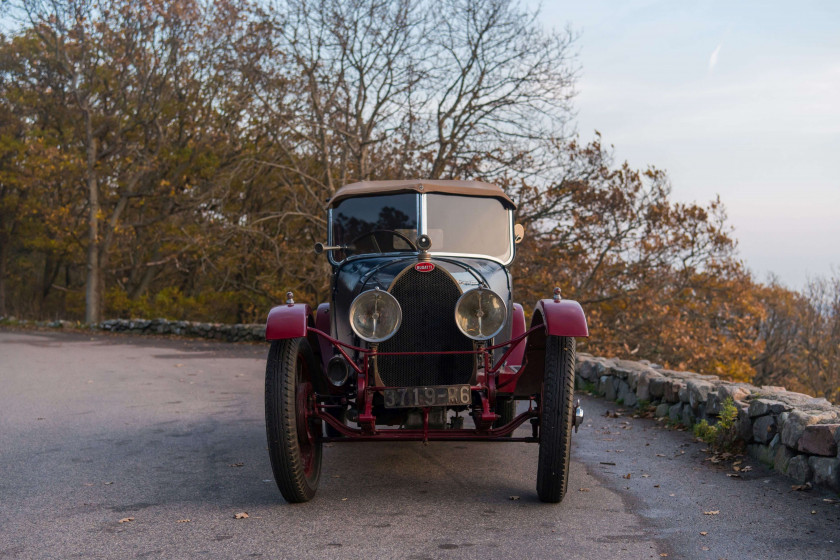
pixel 98 428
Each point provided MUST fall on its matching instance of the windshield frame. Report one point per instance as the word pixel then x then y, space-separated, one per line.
pixel 422 221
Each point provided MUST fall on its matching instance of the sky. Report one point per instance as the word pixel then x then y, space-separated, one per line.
pixel 737 99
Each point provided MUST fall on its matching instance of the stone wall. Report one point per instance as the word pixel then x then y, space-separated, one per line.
pixel 214 331
pixel 795 434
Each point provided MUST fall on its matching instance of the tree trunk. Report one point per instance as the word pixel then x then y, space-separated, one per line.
pixel 4 255
pixel 93 288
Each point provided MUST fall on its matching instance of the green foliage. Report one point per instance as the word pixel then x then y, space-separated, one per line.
pixel 589 387
pixel 173 304
pixel 722 435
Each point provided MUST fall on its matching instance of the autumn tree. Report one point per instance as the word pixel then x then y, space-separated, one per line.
pixel 350 90
pixel 131 74
pixel 658 278
pixel 801 336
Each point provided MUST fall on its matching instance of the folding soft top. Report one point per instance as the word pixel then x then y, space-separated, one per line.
pixel 468 188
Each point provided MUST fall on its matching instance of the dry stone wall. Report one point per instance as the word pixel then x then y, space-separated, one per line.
pixel 793 433
pixel 214 331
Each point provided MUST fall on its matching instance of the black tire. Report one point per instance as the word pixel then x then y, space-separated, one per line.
pixel 556 418
pixel 506 409
pixel 294 441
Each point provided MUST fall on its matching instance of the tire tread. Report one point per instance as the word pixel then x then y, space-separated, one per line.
pixel 281 425
pixel 556 419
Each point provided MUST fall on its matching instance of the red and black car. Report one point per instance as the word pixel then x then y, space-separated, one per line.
pixel 421 339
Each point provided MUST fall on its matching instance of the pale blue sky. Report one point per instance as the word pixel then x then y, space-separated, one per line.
pixel 740 99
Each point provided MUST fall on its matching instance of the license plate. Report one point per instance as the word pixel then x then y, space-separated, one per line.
pixel 439 395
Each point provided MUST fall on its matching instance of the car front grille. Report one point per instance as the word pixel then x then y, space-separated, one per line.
pixel 428 325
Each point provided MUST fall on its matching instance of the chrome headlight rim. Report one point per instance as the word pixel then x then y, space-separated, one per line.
pixel 471 293
pixel 360 300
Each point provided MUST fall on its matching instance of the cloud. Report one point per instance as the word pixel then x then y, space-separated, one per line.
pixel 713 60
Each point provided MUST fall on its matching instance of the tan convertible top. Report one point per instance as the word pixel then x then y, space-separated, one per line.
pixel 469 188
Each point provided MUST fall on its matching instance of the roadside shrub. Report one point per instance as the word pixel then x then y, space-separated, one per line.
pixel 722 435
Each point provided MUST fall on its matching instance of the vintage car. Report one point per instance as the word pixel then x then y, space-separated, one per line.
pixel 420 334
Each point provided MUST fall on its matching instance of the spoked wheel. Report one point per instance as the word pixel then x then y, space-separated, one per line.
pixel 294 436
pixel 556 418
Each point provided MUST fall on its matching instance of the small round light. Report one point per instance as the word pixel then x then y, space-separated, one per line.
pixel 480 314
pixel 375 315
pixel 338 371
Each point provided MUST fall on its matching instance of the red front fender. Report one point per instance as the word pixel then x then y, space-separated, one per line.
pixel 287 321
pixel 561 318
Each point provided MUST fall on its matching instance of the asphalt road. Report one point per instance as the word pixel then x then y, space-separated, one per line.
pixel 95 429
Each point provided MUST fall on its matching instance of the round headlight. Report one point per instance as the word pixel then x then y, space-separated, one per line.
pixel 480 314
pixel 375 315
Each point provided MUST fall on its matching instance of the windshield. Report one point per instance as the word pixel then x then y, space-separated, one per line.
pixel 468 225
pixel 375 224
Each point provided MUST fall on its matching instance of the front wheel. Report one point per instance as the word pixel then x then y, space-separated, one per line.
pixel 294 436
pixel 556 417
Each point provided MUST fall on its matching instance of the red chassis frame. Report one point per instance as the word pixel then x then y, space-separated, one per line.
pixel 519 372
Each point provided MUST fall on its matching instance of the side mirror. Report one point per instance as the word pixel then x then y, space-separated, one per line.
pixel 518 233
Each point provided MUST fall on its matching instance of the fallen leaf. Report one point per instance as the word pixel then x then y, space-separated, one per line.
pixel 179 365
pixel 713 512
pixel 584 490
pixel 627 476
pixel 126 519
pixel 514 497
pixel 746 469
pixel 801 487
pixel 663 555
pixel 343 499
pixel 238 465
pixel 183 521
pixel 241 515
pixel 733 475
pixel 704 548
pixel 704 533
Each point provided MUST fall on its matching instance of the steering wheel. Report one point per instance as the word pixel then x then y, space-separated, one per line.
pixel 376 233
